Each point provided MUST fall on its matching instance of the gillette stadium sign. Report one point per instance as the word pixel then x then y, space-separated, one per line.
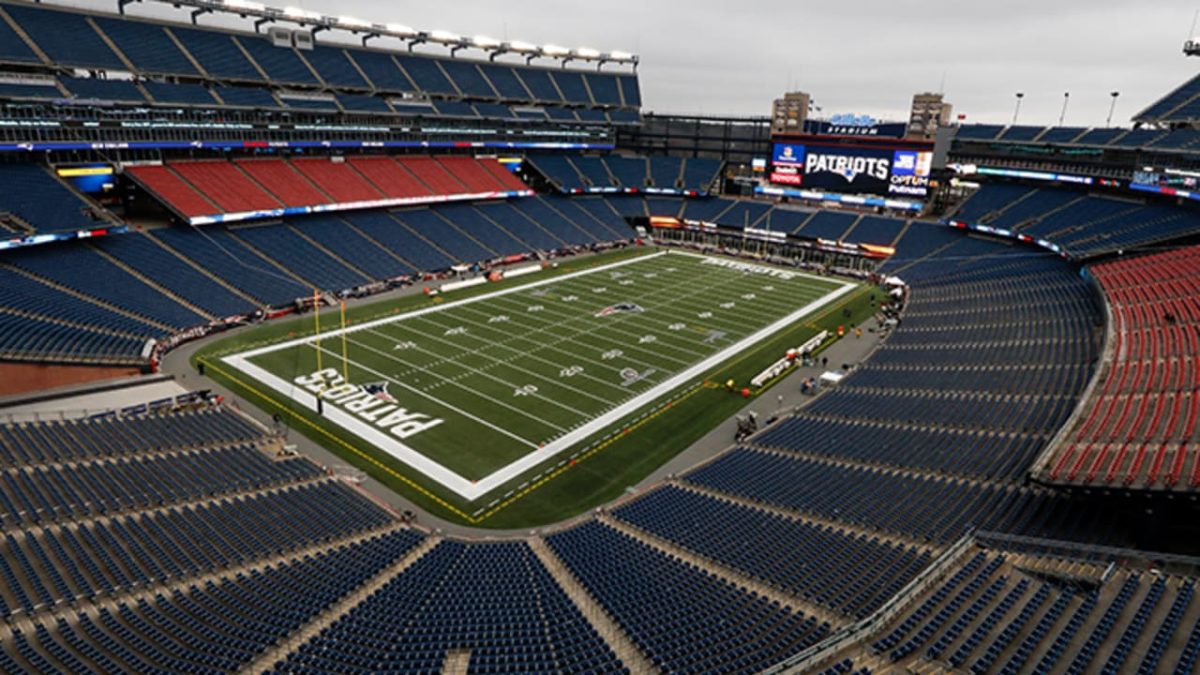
pixel 847 168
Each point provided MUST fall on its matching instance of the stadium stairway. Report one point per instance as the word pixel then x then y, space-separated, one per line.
pixel 82 328
pixel 618 640
pixel 332 233
pixel 1138 430
pixel 728 574
pixel 897 539
pixel 536 229
pixel 394 251
pixel 183 260
pixel 256 250
pixel 169 188
pixel 233 270
pixel 682 617
pixel 462 231
pixel 458 662
pixel 126 623
pixel 1009 613
pixel 267 661
pixel 25 37
pixel 590 215
pixel 325 249
pixel 166 478
pixel 135 273
pixel 397 217
pixel 146 591
pixel 86 298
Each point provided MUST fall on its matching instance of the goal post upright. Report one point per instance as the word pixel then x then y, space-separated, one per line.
pixel 345 358
pixel 317 322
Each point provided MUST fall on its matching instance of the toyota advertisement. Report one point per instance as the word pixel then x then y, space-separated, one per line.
pixel 847 168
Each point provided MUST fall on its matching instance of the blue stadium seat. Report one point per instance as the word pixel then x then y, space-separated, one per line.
pixel 392 235
pixel 247 97
pixel 167 270
pixel 217 53
pixel 681 617
pixel 218 252
pixel 281 64
pixel 306 260
pixel 335 67
pixel 187 94
pixel 467 77
pixel 604 88
pixel 381 70
pixel 13 48
pixel 147 46
pixel 505 81
pixel 66 37
pixel 103 90
pixel 495 600
pixel 426 74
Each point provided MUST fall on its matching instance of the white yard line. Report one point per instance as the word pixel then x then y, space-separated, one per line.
pixel 684 308
pixel 530 353
pixel 447 305
pixel 371 434
pixel 499 361
pixel 681 356
pixel 643 400
pixel 738 283
pixel 456 383
pixel 671 337
pixel 474 490
pixel 506 339
pixel 544 326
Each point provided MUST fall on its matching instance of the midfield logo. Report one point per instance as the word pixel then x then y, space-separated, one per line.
pixel 621 308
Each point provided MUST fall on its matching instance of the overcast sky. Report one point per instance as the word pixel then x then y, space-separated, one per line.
pixel 866 57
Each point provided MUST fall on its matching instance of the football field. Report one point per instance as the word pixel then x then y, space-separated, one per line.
pixel 477 392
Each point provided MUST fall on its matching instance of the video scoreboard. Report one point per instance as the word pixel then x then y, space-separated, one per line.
pixel 864 165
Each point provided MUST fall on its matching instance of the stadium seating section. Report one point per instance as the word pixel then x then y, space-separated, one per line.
pixel 1083 225
pixel 1180 105
pixel 803 223
pixel 614 173
pixel 35 201
pixel 1008 613
pixel 183 540
pixel 207 188
pixel 995 349
pixel 915 513
pixel 1140 427
pixel 362 79
pixel 105 300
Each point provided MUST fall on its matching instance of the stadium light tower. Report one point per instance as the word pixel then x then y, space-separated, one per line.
pixel 1017 111
pixel 1062 116
pixel 1191 47
pixel 1112 108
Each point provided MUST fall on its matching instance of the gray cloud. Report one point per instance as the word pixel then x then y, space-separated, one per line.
pixel 721 57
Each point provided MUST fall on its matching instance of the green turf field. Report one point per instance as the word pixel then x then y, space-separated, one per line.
pixel 478 395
